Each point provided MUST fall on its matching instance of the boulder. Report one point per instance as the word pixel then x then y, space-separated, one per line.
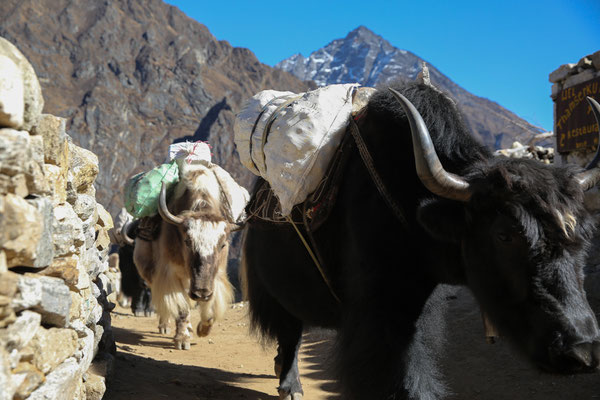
pixel 61 384
pixel 46 295
pixel 51 347
pixel 12 105
pixel 33 102
pixel 68 231
pixel 21 332
pixel 21 229
pixel 84 169
pixel 29 378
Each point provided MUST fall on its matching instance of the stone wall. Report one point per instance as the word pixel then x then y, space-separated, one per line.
pixel 55 335
pixel 566 76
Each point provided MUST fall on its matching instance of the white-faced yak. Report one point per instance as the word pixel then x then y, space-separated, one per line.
pixel 186 263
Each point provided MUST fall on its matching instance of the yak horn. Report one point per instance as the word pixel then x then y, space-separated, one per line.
pixel 429 168
pixel 590 177
pixel 128 240
pixel 164 211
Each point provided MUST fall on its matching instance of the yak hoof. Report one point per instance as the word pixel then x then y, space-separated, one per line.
pixel 182 345
pixel 163 330
pixel 124 301
pixel 138 313
pixel 148 313
pixel 203 330
pixel 290 396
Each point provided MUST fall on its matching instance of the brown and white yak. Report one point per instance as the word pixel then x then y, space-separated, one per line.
pixel 187 262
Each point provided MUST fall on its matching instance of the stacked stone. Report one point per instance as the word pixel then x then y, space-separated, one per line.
pixel 518 150
pixel 55 336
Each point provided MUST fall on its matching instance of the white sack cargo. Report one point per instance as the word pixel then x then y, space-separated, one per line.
pixel 289 139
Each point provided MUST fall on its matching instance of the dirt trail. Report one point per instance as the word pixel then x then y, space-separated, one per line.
pixel 231 365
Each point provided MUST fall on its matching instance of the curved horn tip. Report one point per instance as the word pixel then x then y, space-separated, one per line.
pixel 163 210
pixel 129 241
pixel 429 168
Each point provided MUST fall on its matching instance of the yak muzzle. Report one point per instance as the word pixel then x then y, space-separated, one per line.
pixel 579 358
pixel 201 294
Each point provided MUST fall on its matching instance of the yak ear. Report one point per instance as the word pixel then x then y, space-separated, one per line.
pixel 443 219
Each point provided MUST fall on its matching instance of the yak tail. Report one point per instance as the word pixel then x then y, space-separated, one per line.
pixel 169 294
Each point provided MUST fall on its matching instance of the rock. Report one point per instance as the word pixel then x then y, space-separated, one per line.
pixel 561 73
pixel 582 77
pixel 86 351
pixel 98 375
pixel 7 314
pixel 53 131
pixel 3 265
pixel 85 207
pixel 95 387
pixel 18 157
pixel 76 306
pixel 16 185
pixel 46 295
pixel 596 60
pixel 52 346
pixel 584 63
pixel 6 382
pixel 65 268
pixel 95 261
pixel 32 92
pixel 104 218
pixel 12 104
pixel 57 183
pixel 84 167
pixel 21 229
pixel 60 384
pixel 20 333
pixel 68 231
pixel 30 379
pixel 102 242
pixel 44 252
pixel 15 151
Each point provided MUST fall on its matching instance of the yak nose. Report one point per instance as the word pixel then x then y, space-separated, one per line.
pixel 584 356
pixel 201 294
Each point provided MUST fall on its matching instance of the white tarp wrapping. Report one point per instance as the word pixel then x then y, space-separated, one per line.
pixel 289 139
pixel 191 151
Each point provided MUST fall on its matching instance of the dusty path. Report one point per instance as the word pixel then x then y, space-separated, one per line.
pixel 230 364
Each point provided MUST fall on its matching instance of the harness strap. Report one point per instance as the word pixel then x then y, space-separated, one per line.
pixel 368 161
pixel 314 258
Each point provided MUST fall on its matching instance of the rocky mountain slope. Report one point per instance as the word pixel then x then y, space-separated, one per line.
pixel 366 58
pixel 132 76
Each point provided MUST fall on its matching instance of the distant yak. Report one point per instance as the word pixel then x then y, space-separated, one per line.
pixel 187 261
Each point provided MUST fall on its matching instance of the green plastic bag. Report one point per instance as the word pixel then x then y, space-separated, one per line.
pixel 143 190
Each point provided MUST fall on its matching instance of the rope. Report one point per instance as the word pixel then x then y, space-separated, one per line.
pixel 315 260
pixel 368 161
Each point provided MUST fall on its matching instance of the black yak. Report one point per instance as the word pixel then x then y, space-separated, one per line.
pixel 446 211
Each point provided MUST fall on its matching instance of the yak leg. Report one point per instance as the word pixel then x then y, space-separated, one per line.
pixel 286 362
pixel 183 328
pixel 163 325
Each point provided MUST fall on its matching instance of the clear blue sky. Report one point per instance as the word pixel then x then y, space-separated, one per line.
pixel 502 50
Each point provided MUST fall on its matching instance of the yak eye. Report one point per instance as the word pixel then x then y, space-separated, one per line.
pixel 504 237
pixel 188 242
